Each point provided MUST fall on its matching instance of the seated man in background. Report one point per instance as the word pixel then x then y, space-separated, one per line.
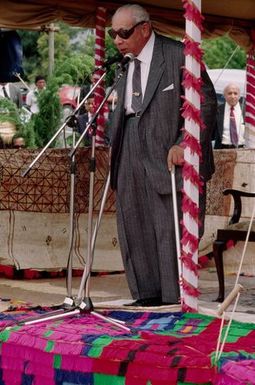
pixel 230 129
pixel 18 142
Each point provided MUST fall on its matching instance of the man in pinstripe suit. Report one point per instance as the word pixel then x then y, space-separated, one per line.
pixel 145 145
pixel 222 129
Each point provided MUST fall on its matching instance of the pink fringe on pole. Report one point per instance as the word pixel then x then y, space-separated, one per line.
pixel 100 57
pixel 190 173
pixel 193 14
pixel 189 206
pixel 190 81
pixel 190 112
pixel 188 309
pixel 250 109
pixel 251 61
pixel 250 96
pixel 192 143
pixel 249 120
pixel 189 263
pixel 250 89
pixel 194 292
pixel 190 239
pixel 193 49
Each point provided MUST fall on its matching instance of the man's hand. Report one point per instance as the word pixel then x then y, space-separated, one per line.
pixel 175 156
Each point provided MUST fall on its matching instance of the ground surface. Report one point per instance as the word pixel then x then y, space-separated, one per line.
pixel 112 288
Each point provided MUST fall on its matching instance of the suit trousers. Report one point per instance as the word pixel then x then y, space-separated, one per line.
pixel 145 223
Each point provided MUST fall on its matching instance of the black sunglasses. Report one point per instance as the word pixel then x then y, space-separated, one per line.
pixel 124 33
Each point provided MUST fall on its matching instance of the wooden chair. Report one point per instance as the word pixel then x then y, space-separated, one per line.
pixel 227 234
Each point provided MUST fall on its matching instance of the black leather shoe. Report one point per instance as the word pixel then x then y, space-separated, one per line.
pixel 146 302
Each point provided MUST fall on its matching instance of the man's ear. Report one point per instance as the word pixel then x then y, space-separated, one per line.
pixel 146 29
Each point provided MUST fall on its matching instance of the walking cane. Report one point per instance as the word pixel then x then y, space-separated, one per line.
pixel 177 231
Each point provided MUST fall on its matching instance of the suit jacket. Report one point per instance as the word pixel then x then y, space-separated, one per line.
pixel 82 123
pixel 160 122
pixel 218 132
pixel 83 92
pixel 15 95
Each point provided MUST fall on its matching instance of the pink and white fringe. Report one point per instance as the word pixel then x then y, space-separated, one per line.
pixel 192 153
pixel 99 61
pixel 250 100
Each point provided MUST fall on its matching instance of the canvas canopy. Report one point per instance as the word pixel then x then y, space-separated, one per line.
pixel 235 18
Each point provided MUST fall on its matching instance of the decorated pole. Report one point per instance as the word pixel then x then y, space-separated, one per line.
pixel 99 61
pixel 192 153
pixel 250 99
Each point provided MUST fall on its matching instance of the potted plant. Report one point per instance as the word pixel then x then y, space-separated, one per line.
pixel 13 122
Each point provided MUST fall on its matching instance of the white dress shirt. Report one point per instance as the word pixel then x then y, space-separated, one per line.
pixel 145 57
pixel 239 124
pixel 31 101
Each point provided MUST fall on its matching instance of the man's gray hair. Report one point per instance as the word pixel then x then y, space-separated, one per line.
pixel 138 12
pixel 230 85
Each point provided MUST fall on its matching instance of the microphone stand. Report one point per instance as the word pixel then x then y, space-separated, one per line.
pixel 68 301
pixel 83 303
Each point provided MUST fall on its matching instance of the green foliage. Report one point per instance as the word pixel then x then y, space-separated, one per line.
pixel 10 113
pixel 218 52
pixel 28 133
pixel 73 70
pixel 74 58
pixel 61 50
pixel 41 127
pixel 47 121
pixel 69 67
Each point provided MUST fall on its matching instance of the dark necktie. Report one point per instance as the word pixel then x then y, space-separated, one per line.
pixel 232 127
pixel 136 103
pixel 5 92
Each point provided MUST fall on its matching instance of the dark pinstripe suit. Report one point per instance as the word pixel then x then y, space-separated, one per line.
pixel 140 175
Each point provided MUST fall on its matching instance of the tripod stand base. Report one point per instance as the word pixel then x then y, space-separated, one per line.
pixel 86 305
pixel 68 303
pixel 60 314
pixel 56 314
pixel 112 321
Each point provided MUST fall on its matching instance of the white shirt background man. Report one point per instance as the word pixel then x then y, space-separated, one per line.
pixel 32 96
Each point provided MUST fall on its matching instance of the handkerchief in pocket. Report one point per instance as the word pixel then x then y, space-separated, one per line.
pixel 168 88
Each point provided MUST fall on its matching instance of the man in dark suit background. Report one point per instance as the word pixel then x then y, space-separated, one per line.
pixel 84 118
pixel 146 143
pixel 85 90
pixel 222 133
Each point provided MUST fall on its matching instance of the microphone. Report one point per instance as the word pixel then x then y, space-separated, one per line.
pixel 128 57
pixel 123 61
pixel 114 59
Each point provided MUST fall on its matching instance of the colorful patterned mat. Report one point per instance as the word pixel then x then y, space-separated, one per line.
pixel 161 349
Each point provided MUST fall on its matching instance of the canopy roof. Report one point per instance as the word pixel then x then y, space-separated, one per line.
pixel 235 17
